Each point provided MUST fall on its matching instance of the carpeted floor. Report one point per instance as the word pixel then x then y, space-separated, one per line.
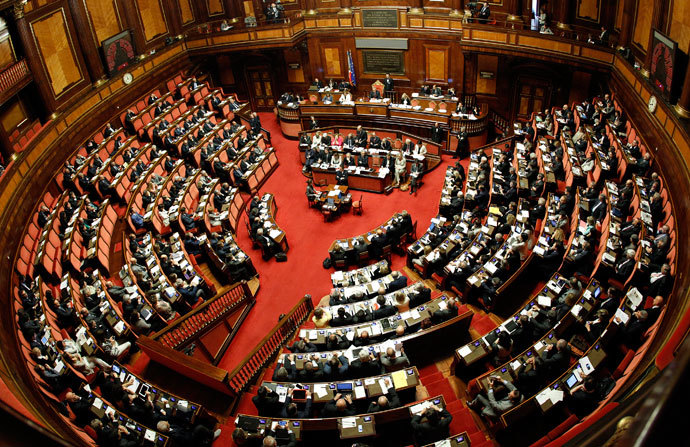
pixel 283 284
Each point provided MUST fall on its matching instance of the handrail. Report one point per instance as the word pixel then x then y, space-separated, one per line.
pixel 13 74
pixel 250 367
pixel 205 317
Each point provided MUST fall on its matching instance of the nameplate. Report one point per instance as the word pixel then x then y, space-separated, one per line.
pixel 380 18
pixel 378 61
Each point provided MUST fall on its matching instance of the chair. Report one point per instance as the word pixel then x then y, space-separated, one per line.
pixel 357 206
pixel 387 251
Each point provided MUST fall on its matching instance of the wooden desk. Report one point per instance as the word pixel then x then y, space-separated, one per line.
pixel 268 210
pixel 361 181
pixel 459 440
pixel 356 427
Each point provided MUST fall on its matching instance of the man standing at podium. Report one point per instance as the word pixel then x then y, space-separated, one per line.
pixel 388 83
pixel 463 144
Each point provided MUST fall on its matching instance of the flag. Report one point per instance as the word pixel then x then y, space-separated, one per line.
pixel 351 69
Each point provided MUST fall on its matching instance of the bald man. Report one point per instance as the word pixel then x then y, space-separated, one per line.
pixel 385 402
pixel 338 407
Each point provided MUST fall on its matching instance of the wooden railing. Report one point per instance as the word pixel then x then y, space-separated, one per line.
pixel 244 374
pixel 13 74
pixel 499 122
pixel 184 331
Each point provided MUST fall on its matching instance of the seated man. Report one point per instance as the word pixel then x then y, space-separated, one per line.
pixel 502 396
pixel 266 402
pixel 339 407
pixel 385 402
pixel 432 425
pixel 393 361
pixel 293 410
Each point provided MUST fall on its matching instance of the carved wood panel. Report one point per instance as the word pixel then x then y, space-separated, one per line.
pixel 487 64
pixel 643 23
pixel 215 7
pixel 588 10
pixel 6 52
pixel 104 19
pixel 680 24
pixel 152 18
pixel 333 66
pixel 58 54
pixel 186 12
pixel 436 63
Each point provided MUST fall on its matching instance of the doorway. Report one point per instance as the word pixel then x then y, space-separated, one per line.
pixel 261 91
pixel 533 95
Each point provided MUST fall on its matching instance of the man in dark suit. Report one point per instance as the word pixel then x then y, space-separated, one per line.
pixel 610 301
pixel 385 402
pixel 384 310
pixel 266 402
pixel 432 425
pixel 374 93
pixel 339 407
pixel 361 137
pixel 436 133
pixel 292 410
pixel 374 141
pixel 388 83
pixel 420 295
pixel 255 123
pixel 450 311
pixel 661 282
pixel 399 281
pixel 342 318
pixel 341 176
pixel 377 243
pixel 484 13
pixel 631 335
pixel 625 267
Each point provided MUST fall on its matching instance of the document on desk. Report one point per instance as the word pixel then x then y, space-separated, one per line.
pixel 282 393
pixel 360 392
pixel 586 365
pixel 621 315
pixel 348 422
pixel 384 386
pixel 635 297
pixel 465 351
pixel 542 397
pixel 544 301
pixel 320 390
pixel 420 407
pixel 399 379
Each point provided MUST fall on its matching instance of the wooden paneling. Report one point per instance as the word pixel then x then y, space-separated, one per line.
pixel 13 116
pixel 6 52
pixel 104 18
pixel 588 10
pixel 680 24
pixel 152 18
pixel 436 62
pixel 186 12
pixel 215 7
pixel 488 64
pixel 643 23
pixel 332 62
pixel 619 13
pixel 57 51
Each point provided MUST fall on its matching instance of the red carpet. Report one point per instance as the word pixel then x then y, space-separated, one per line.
pixel 283 284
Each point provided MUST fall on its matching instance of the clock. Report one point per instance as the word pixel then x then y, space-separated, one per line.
pixel 127 78
pixel 651 105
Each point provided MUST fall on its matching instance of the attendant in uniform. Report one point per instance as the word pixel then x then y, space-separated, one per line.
pixel 341 176
pixel 388 83
pixel 463 144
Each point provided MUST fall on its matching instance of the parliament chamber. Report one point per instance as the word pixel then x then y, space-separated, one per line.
pixel 488 253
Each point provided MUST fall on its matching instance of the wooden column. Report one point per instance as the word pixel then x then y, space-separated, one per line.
pixel 683 106
pixel 563 13
pixel 626 25
pixel 133 23
pixel 657 21
pixel 94 63
pixel 172 11
pixel 33 58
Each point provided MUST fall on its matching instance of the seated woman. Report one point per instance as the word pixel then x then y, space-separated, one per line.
pixel 402 302
pixel 337 141
pixel 336 160
pixel 405 100
pixel 321 317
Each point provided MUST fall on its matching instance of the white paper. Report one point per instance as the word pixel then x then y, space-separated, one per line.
pixel 465 351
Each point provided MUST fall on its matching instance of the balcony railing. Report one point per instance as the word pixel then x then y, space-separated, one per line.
pixel 13 74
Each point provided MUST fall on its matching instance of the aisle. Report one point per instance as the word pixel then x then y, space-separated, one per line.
pixel 283 284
